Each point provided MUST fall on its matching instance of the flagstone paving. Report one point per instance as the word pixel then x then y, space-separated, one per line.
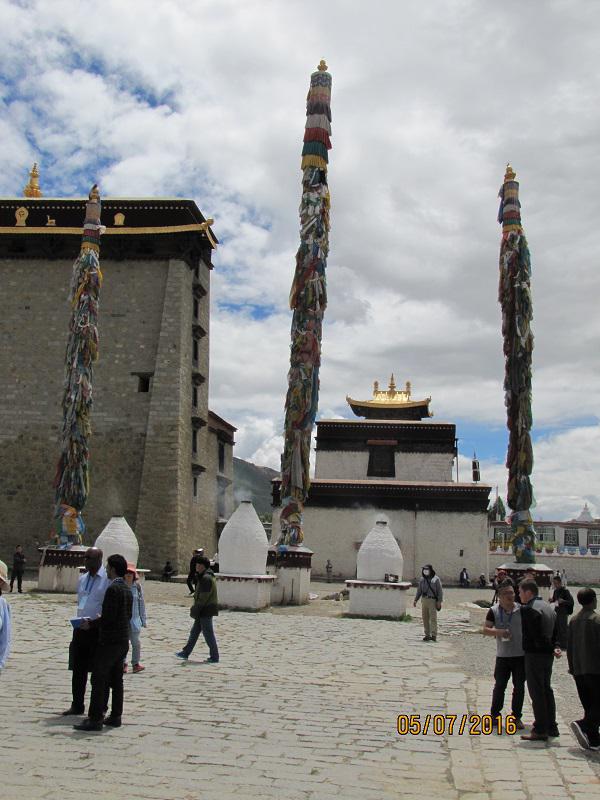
pixel 301 707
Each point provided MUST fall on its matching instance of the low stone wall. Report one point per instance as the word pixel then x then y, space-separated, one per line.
pixel 579 569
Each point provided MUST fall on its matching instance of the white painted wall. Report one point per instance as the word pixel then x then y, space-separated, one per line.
pixel 425 537
pixel 341 464
pixel 423 466
pixel 580 569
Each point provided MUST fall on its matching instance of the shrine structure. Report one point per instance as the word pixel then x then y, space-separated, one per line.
pixel 394 460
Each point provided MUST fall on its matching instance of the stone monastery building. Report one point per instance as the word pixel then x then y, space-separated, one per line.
pixel 159 457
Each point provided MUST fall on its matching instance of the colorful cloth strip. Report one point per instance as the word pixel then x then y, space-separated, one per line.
pixel 71 481
pixel 308 300
pixel 514 295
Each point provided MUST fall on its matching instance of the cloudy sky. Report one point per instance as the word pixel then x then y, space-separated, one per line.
pixel 430 100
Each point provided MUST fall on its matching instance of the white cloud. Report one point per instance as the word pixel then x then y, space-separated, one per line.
pixel 429 102
pixel 565 474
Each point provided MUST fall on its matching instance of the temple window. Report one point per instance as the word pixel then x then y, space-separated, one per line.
pixel 381 462
pixel 572 538
pixel 593 537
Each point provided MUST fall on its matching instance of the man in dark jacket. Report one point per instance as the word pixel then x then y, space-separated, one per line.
pixel 562 600
pixel 538 622
pixel 583 654
pixel 204 608
pixel 18 568
pixel 113 644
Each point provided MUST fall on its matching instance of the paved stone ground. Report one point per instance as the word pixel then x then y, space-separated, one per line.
pixel 195 730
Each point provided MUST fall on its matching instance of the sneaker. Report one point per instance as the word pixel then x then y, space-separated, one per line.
pixel 580 734
pixel 433 638
pixel 211 660
pixel 519 724
pixel 125 668
pixel 114 722
pixel 426 638
pixel 182 655
pixel 138 668
pixel 554 733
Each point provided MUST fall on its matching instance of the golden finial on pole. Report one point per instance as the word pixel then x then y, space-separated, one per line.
pixel 322 66
pixel 32 189
pixel 510 174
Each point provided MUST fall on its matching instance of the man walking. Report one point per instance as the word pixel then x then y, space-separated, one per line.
pixel 18 568
pixel 431 593
pixel 562 601
pixel 583 654
pixel 91 587
pixel 538 621
pixel 204 608
pixel 113 644
pixel 503 621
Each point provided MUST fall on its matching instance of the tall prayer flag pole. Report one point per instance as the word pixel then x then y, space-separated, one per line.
pixel 308 299
pixel 72 473
pixel 514 295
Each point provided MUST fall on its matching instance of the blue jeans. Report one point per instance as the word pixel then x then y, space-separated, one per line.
pixel 134 638
pixel 203 625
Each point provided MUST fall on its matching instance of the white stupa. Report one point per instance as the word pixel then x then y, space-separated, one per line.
pixel 379 554
pixel 585 515
pixel 378 590
pixel 118 537
pixel 242 579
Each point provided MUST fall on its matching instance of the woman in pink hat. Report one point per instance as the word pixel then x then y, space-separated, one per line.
pixel 5 629
pixel 138 618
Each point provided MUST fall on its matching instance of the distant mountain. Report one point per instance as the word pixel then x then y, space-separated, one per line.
pixel 253 483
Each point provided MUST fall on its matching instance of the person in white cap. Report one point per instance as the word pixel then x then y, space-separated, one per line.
pixel 5 629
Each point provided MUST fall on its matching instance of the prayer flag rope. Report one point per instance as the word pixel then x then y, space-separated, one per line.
pixel 514 295
pixel 72 473
pixel 308 300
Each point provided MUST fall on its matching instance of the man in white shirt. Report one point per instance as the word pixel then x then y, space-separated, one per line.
pixel 91 588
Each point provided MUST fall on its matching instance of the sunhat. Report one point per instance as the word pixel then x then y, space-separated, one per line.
pixel 3 573
pixel 131 568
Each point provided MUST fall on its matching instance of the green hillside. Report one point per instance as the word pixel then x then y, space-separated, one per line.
pixel 251 482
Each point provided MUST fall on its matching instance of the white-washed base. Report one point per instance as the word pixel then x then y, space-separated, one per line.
pixel 291 587
pixel 56 578
pixel 245 592
pixel 378 599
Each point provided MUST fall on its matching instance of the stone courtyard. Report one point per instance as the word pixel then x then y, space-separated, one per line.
pixel 303 706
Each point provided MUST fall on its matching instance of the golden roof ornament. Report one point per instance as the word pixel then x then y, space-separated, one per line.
pixel 510 174
pixel 32 189
pixel 393 403
pixel 322 66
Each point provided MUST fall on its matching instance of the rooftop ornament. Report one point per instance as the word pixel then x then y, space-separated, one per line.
pixel 32 189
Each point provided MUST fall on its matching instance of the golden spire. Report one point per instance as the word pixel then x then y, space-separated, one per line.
pixel 322 66
pixel 392 386
pixel 32 189
pixel 510 174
